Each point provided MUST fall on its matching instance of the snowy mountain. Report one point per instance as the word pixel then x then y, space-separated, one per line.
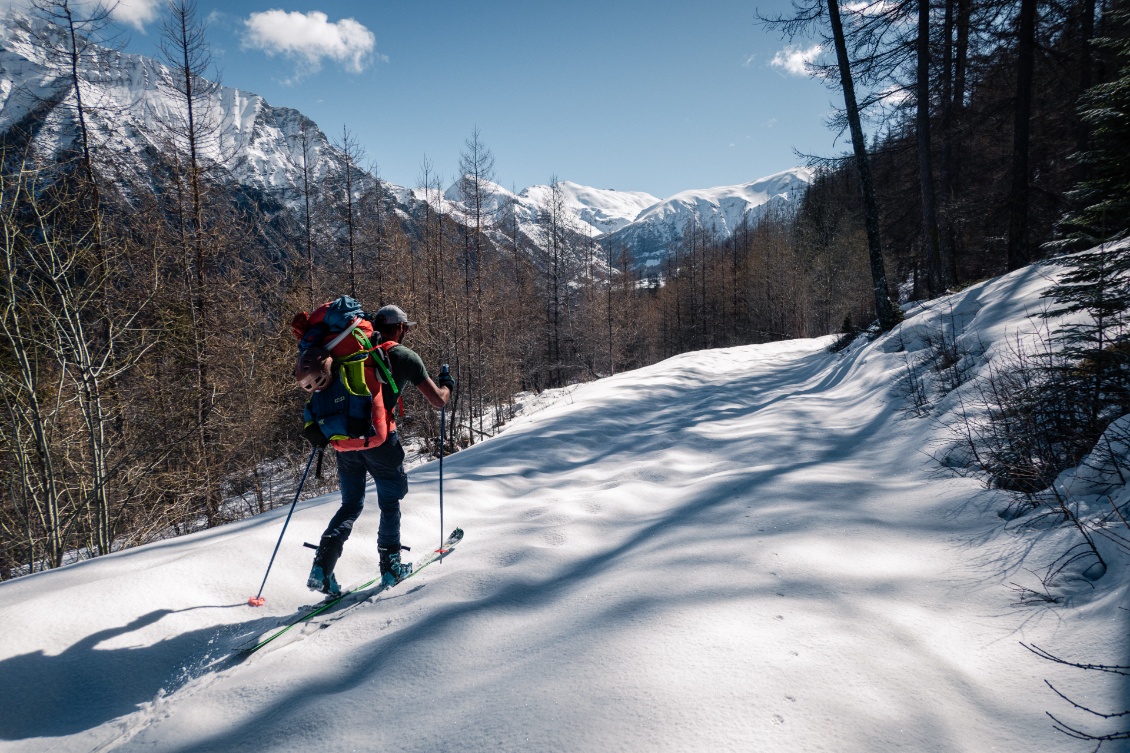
pixel 597 211
pixel 748 549
pixel 721 210
pixel 594 211
pixel 648 227
pixel 133 115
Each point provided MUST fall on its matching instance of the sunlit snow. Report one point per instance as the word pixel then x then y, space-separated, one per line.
pixel 748 549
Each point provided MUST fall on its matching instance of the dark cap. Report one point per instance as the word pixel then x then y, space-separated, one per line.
pixel 390 315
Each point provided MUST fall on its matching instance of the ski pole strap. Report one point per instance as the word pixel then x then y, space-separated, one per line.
pixel 318 468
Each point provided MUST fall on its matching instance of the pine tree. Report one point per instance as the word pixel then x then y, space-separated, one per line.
pixel 1103 199
pixel 1097 281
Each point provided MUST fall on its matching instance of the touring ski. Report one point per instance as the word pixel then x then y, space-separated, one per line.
pixel 355 596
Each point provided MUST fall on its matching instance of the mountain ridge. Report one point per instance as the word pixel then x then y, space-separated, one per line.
pixel 259 146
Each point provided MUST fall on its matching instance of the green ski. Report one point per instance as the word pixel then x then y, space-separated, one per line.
pixel 374 586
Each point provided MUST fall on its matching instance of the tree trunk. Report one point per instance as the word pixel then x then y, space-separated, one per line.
pixel 935 276
pixel 1019 253
pixel 885 310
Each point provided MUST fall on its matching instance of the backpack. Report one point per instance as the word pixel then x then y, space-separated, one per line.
pixel 350 412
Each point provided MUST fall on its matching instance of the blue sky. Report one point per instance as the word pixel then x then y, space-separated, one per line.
pixel 623 94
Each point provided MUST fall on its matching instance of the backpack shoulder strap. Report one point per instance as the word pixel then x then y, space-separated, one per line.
pixel 379 354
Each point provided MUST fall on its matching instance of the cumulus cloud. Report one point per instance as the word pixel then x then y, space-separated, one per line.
pixel 795 60
pixel 136 13
pixel 310 38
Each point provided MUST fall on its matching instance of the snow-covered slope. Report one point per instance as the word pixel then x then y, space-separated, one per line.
pixel 747 549
pixel 598 211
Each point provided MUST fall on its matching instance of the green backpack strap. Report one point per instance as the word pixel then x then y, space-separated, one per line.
pixel 379 357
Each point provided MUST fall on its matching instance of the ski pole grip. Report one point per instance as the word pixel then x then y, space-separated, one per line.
pixel 443 369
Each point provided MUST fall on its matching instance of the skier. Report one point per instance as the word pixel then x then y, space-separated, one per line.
pixel 384 461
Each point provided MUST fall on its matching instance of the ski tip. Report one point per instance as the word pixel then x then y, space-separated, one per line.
pixel 256 601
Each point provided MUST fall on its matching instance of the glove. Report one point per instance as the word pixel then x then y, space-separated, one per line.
pixel 445 379
pixel 315 436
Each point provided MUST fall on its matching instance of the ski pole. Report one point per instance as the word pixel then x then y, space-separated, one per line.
pixel 442 440
pixel 258 600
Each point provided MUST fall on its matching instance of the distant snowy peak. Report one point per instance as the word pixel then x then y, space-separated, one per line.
pixel 721 210
pixel 631 215
pixel 725 207
pixel 604 210
pixel 594 211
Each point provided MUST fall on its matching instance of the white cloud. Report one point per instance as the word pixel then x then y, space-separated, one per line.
pixel 309 38
pixel 749 61
pixel 795 60
pixel 136 13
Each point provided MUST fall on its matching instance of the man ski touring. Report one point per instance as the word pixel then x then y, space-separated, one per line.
pixel 365 438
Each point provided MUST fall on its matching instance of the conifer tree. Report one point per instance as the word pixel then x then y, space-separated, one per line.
pixel 1103 199
pixel 1096 281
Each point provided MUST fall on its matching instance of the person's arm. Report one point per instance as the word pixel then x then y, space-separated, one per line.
pixel 437 396
pixel 417 374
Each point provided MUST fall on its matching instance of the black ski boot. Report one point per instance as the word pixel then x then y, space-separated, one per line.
pixel 322 573
pixel 392 569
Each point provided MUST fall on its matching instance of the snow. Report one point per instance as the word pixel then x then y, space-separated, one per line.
pixel 739 549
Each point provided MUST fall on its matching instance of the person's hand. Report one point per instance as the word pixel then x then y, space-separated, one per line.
pixel 315 436
pixel 445 379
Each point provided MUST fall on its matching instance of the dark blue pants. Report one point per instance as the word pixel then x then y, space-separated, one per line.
pixel 386 465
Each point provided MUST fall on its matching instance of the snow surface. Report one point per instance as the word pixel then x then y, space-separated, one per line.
pixel 747 549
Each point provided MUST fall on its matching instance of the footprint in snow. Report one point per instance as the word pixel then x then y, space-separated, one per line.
pixel 553 537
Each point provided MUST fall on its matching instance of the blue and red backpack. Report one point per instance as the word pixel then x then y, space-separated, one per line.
pixel 351 411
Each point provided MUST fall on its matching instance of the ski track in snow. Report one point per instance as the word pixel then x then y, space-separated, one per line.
pixel 739 549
